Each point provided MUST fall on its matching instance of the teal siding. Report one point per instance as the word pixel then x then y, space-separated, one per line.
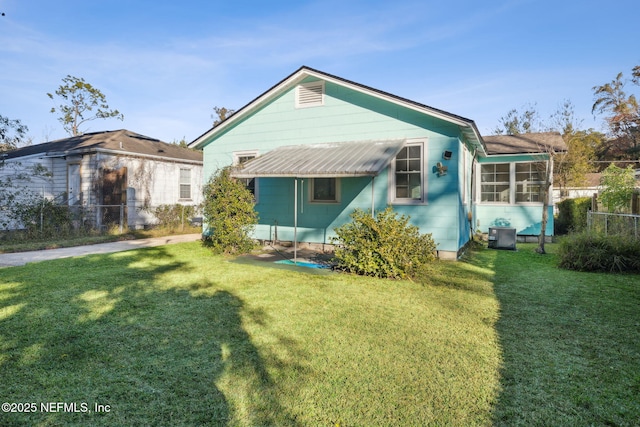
pixel 526 219
pixel 347 115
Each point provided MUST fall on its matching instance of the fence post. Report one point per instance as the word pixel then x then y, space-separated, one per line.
pixel 121 216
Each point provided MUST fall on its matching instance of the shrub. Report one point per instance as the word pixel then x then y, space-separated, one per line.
pixel 618 188
pixel 572 215
pixel 229 214
pixel 42 217
pixel 384 246
pixel 597 252
pixel 173 217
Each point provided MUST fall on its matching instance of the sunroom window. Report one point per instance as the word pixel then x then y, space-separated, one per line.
pixel 512 182
pixel 529 182
pixel 495 183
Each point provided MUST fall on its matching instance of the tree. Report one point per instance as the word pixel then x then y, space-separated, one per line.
pixel 571 167
pixel 12 133
pixel 182 143
pixel 545 170
pixel 623 112
pixel 618 186
pixel 229 214
pixel 79 99
pixel 515 123
pixel 222 114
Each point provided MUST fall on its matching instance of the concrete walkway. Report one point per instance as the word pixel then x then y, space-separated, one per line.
pixel 22 258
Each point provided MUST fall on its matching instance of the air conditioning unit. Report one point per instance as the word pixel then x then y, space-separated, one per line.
pixel 502 238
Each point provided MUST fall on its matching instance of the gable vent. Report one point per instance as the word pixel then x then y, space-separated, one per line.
pixel 310 94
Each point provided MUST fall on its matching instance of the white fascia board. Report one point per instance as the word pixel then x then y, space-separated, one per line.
pixel 293 79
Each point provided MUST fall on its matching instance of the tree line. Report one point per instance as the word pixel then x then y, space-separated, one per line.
pixel 80 102
pixel 589 150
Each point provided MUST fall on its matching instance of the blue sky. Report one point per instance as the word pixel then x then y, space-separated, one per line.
pixel 166 64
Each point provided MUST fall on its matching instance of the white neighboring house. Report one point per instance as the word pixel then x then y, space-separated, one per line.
pixel 590 187
pixel 104 171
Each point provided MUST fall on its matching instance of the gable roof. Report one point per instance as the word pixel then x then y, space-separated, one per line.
pixel 526 143
pixel 358 158
pixel 121 142
pixel 467 126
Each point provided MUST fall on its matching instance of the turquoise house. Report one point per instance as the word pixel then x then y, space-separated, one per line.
pixel 315 146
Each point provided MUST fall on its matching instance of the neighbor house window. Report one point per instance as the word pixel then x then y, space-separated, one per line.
pixel 241 158
pixel 529 182
pixel 324 190
pixel 185 183
pixel 494 185
pixel 512 182
pixel 408 174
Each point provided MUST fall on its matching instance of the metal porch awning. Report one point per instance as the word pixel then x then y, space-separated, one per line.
pixel 343 159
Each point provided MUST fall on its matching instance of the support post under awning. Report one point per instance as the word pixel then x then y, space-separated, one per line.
pixel 373 199
pixel 295 220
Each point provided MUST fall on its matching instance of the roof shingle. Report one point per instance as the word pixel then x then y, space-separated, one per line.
pixel 526 143
pixel 122 141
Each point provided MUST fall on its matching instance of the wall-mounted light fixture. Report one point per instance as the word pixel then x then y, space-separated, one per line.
pixel 447 155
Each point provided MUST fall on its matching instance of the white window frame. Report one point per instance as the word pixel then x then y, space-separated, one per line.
pixel 539 183
pixel 513 184
pixel 237 155
pixel 321 201
pixel 465 154
pixel 508 183
pixel 180 184
pixel 422 143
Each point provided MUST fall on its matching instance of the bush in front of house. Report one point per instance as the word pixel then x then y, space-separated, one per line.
pixel 229 214
pixel 174 217
pixel 597 252
pixel 572 215
pixel 42 217
pixel 382 246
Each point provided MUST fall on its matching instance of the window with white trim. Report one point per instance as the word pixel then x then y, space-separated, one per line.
pixel 324 190
pixel 529 182
pixel 185 184
pixel 407 174
pixel 241 157
pixel 511 183
pixel 495 179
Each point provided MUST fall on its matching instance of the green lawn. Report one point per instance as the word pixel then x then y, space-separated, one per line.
pixel 175 336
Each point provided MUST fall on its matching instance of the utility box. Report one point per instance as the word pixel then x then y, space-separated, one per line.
pixel 502 238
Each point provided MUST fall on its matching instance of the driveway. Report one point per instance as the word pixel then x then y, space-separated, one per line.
pixel 22 258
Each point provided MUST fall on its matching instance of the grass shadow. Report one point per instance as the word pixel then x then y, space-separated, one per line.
pixel 569 341
pixel 114 330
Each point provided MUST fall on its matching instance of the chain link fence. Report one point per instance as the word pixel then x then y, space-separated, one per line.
pixel 50 219
pixel 612 224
